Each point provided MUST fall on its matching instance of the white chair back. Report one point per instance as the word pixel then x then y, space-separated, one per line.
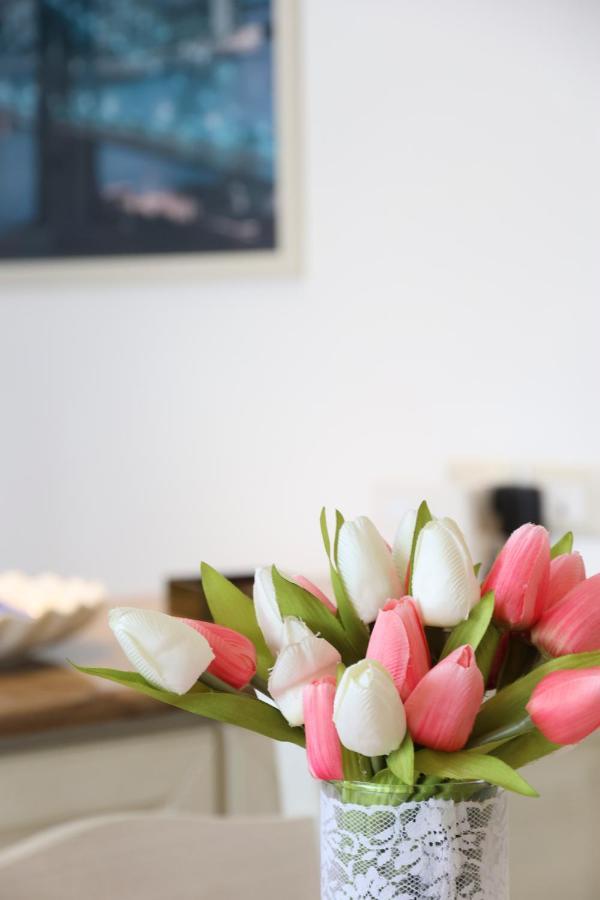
pixel 153 856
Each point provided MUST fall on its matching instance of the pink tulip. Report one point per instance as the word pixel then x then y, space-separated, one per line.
pixel 315 591
pixel 398 642
pixel 442 708
pixel 235 654
pixel 323 747
pixel 565 706
pixel 572 625
pixel 519 577
pixel 566 571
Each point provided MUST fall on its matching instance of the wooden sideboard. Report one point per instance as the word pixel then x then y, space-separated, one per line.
pixel 46 694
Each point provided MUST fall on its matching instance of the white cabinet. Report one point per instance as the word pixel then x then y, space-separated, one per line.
pixel 173 762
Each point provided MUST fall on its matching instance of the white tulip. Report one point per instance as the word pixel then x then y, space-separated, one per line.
pixel 303 659
pixel 368 712
pixel 367 569
pixel 165 651
pixel 403 543
pixel 443 581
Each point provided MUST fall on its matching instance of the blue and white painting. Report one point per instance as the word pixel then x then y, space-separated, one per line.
pixel 136 127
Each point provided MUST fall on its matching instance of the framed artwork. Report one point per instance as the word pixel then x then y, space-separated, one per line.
pixel 156 135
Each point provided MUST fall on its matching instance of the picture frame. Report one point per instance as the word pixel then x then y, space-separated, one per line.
pixel 282 259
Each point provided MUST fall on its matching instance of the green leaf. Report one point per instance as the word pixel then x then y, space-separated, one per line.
pixel 486 652
pixel 468 766
pixel 402 761
pixel 241 709
pixel 325 532
pixel 423 517
pixel 525 749
pixel 506 733
pixel 339 521
pixel 293 600
pixel 565 545
pixel 508 705
pixel 357 631
pixel 231 607
pixel 472 630
pixel 476 569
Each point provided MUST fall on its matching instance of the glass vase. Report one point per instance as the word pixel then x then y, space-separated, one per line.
pixel 437 841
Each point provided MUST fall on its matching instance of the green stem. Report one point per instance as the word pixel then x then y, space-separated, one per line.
pixel 377 763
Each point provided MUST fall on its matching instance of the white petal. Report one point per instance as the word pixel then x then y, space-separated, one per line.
pixel 291 704
pixel 165 651
pixel 443 581
pixel 403 543
pixel 267 609
pixel 367 712
pixel 296 666
pixel 366 567
pixel 293 631
pixel 474 587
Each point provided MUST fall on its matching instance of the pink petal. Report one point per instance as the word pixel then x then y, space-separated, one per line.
pixel 572 625
pixel 519 577
pixel 565 706
pixel 441 709
pixel 235 654
pixel 398 642
pixel 323 747
pixel 566 571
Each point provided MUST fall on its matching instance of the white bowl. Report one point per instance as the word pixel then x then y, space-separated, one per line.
pixel 42 609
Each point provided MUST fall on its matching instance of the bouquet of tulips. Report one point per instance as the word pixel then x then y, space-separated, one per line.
pixel 416 672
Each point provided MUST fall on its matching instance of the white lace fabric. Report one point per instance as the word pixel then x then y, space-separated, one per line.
pixel 434 849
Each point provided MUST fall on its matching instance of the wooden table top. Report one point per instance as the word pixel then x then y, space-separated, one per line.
pixel 46 694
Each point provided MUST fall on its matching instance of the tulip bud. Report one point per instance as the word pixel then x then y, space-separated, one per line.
pixel 565 706
pixel 323 747
pixel 398 642
pixel 403 545
pixel 566 571
pixel 167 653
pixel 442 708
pixel 572 625
pixel 443 581
pixel 235 654
pixel 519 577
pixel 366 567
pixel 315 591
pixel 304 658
pixel 367 712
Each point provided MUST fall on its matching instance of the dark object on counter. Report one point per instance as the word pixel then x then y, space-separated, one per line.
pixel 514 506
pixel 186 597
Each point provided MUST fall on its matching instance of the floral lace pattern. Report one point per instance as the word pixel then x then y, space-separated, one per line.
pixel 432 849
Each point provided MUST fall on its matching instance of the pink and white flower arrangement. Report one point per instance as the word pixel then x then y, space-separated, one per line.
pixel 415 671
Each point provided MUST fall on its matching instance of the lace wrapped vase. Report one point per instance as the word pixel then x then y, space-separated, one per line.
pixel 440 842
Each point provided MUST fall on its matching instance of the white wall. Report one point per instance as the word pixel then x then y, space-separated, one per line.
pixel 449 308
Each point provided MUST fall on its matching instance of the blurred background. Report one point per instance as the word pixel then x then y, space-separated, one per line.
pixel 358 267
